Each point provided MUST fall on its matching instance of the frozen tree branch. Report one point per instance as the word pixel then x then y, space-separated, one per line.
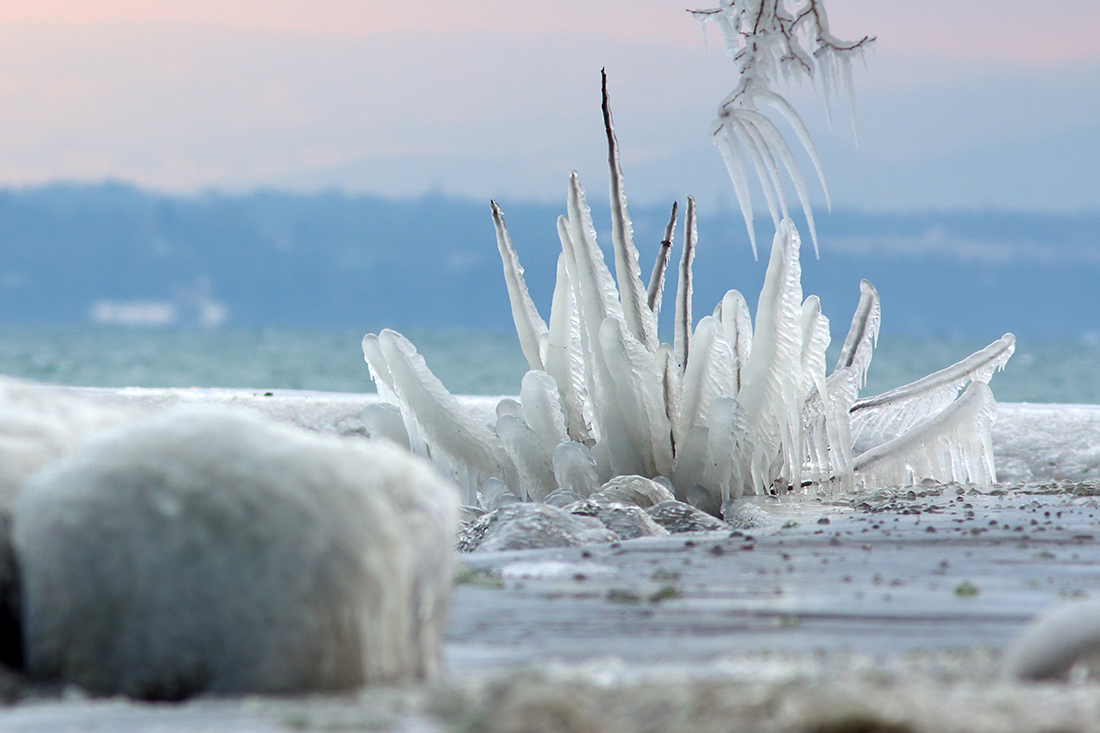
pixel 771 41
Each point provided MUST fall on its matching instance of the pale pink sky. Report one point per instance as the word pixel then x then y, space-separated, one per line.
pixel 1018 29
pixel 958 104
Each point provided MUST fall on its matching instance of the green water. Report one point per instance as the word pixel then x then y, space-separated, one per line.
pixel 466 362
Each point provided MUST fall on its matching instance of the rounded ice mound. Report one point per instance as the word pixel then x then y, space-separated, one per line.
pixel 1058 641
pixel 638 490
pixel 211 551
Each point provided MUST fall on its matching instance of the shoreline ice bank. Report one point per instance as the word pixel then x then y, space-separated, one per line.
pixel 1032 442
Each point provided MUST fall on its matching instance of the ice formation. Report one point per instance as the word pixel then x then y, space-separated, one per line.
pixel 769 41
pixel 732 408
pixel 212 550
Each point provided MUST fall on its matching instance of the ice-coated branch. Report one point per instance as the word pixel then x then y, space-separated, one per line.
pixel 530 327
pixel 771 41
pixel 899 409
pixel 632 293
pixel 657 279
pixel 681 342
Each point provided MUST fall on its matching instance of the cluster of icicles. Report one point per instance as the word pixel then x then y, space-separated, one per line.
pixel 724 412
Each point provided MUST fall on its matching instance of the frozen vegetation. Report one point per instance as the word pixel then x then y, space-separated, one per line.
pixel 733 407
pixel 772 41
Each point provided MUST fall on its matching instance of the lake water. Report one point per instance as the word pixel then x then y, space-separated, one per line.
pixel 467 362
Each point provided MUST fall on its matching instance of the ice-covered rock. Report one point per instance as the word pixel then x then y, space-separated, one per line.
pixel 210 550
pixel 562 498
pixel 677 517
pixel 527 526
pixel 626 521
pixel 638 490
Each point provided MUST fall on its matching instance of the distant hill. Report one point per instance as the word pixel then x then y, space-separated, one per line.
pixel 114 253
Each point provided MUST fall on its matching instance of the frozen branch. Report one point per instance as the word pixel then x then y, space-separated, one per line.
pixel 772 41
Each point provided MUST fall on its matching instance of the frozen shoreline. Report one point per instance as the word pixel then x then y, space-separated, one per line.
pixel 872 618
pixel 892 607
pixel 1032 443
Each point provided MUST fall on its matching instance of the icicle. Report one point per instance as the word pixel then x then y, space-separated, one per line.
pixel 383 420
pixel 379 371
pixel 597 299
pixel 726 433
pixel 709 374
pixel 727 146
pixel 682 332
pixel 564 357
pixel 952 445
pixel 542 409
pixel 638 383
pixel 673 388
pixel 691 461
pixel 445 423
pixel 656 289
pixel 624 445
pixel 597 295
pixel 815 341
pixel 532 460
pixel 575 469
pixel 774 143
pixel 530 327
pixel 383 379
pixel 583 305
pixel 632 293
pixel 751 143
pixel 773 374
pixel 893 412
pixel 737 325
pixel 815 434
